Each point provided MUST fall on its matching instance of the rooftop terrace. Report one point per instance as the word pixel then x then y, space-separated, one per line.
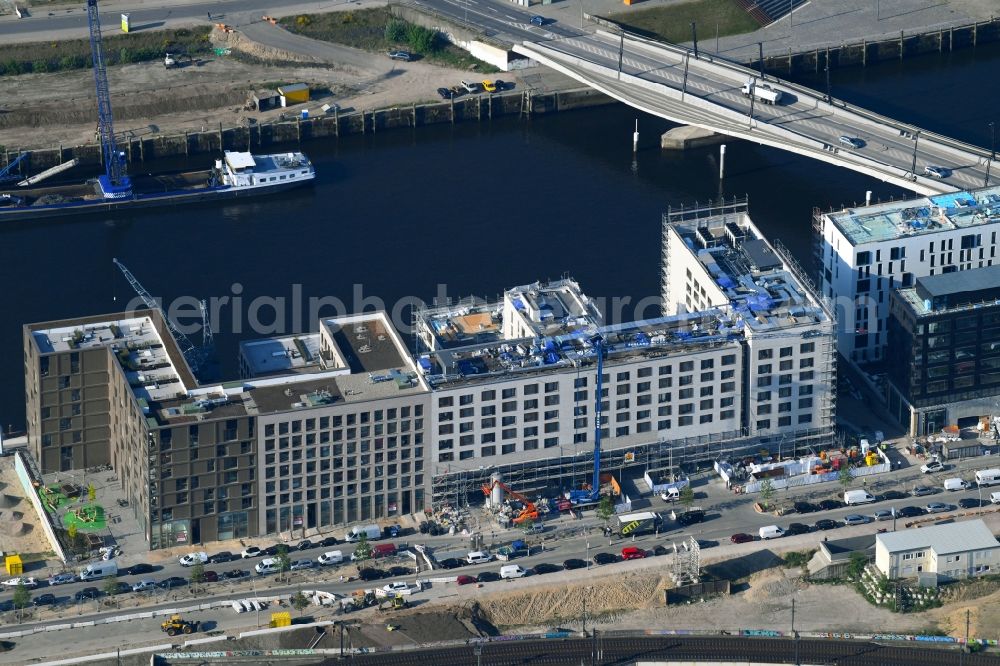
pixel 290 354
pixel 924 215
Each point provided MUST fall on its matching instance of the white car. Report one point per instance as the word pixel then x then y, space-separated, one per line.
pixel 398 586
pixel 252 551
pixel 932 466
pixel 856 519
pixel 936 171
pixel 852 142
pixel 27 581
pixel 302 564
pixel 143 585
pixel 884 514
pixel 192 559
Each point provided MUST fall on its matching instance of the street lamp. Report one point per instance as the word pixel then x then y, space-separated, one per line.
pixel 588 555
pixel 913 169
pixel 256 602
pixel 993 149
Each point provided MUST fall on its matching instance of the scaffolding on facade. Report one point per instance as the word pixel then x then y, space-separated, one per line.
pixel 686 567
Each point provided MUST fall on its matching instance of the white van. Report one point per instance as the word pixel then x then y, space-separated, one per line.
pixel 478 557
pixel 955 484
pixel 99 570
pixel 268 565
pixel 988 477
pixel 770 532
pixel 995 498
pixel 858 497
pixel 330 557
pixel 512 571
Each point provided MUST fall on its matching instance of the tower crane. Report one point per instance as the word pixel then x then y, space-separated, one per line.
pixel 114 182
pixel 583 497
pixel 192 354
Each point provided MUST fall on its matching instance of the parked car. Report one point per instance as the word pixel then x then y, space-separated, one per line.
pixel 972 503
pixel 62 579
pixel 392 531
pixel 251 551
pixel 488 577
pixel 400 571
pixel 796 528
pixel 209 576
pixel 305 544
pixel 831 505
pixel 741 537
pixel 44 600
pixel 883 514
pixel 328 541
pixel 466 580
pixel 171 582
pixel 405 56
pixel 852 142
pixel 546 568
pixel 121 588
pixel 825 524
pixel 396 586
pixel 691 517
pixel 144 585
pixel 939 507
pixel 451 563
pixel 935 171
pixel 805 507
pixel 87 593
pixel 220 558
pixel 856 519
pixel 457 91
pixel 470 86
pixel 659 549
pixel 605 558
pixel 27 581
pixel 537 20
pixel 235 574
pixel 932 466
pixel 271 551
pixel 445 93
pixel 302 565
pixel 633 553
pixel 500 84
pixel 488 86
pixel 574 564
pixel 910 512
pixel 921 491
pixel 371 574
pixel 191 559
pixel 892 495
pixel 141 568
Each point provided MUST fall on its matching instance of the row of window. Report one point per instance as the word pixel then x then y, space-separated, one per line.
pixel 785 352
pixel 339 420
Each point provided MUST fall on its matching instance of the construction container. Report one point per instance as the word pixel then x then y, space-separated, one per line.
pixel 297 93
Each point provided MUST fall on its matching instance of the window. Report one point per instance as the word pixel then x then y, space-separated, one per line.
pixel 764 369
pixel 863 259
pixel 729 359
pixel 763 354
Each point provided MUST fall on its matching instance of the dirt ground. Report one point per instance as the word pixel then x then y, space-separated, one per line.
pixel 20 531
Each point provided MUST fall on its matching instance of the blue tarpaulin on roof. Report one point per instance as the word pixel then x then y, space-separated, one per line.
pixel 551 358
pixel 518 304
pixel 425 363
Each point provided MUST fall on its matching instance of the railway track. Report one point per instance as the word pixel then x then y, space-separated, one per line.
pixel 613 651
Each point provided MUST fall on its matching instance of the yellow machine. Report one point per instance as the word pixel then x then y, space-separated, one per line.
pixel 177 625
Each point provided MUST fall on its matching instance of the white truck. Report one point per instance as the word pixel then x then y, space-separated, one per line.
pixel 191 559
pixel 852 497
pixel 761 91
pixel 988 477
pixel 371 531
pixel 99 570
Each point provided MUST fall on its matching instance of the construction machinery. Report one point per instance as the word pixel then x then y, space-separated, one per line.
pixel 528 509
pixel 178 625
pixel 10 172
pixel 114 182
pixel 393 603
pixel 591 495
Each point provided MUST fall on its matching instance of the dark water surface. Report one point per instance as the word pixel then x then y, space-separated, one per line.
pixel 476 208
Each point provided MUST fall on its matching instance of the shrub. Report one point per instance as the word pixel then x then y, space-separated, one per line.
pixel 395 31
pixel 421 39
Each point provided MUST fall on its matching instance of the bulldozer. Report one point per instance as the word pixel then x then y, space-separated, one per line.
pixel 177 625
pixel 393 603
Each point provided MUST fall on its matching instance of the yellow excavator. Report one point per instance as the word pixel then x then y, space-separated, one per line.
pixel 177 625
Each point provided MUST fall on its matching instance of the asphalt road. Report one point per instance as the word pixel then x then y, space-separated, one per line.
pixel 628 650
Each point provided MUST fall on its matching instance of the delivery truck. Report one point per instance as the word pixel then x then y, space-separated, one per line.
pixel 761 92
pixel 99 570
pixel 371 531
pixel 634 524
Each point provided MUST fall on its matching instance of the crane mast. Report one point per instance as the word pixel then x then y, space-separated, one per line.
pixel 114 183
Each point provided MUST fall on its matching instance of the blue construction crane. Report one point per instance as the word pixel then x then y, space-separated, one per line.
pixel 584 497
pixel 114 183
pixel 7 173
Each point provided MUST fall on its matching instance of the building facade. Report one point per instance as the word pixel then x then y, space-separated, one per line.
pixel 865 253
pixel 944 350
pixel 952 552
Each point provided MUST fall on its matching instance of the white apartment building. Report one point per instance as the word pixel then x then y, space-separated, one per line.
pixel 952 551
pixel 866 252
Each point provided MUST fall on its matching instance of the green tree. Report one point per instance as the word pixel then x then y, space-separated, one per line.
pixel 421 39
pixel 844 477
pixel 363 551
pixel 606 509
pixel 299 601
pixel 111 587
pixel 766 493
pixel 395 31
pixel 198 574
pixel 856 565
pixel 71 532
pixel 91 492
pixel 21 596
pixel 284 562
pixel 687 497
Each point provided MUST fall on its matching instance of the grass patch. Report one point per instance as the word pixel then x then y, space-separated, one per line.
pixel 377 29
pixel 673 22
pixel 798 558
pixel 40 57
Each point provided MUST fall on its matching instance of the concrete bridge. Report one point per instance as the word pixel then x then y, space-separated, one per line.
pixel 706 91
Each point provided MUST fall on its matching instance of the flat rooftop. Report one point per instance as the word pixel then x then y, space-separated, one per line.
pixel 923 215
pixel 468 322
pixel 957 537
pixel 366 344
pixel 290 354
pixel 553 308
pixel 951 292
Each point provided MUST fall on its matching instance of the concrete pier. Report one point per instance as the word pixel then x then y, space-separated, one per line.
pixel 688 136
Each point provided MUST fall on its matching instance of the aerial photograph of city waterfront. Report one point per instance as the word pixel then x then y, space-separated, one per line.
pixel 728 391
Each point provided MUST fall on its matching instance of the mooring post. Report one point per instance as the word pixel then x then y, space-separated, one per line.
pixel 413 111
pixel 142 150
pixel 900 44
pixel 452 100
pixel 864 52
pixel 186 144
pixel 298 129
pixel 221 145
pixel 336 122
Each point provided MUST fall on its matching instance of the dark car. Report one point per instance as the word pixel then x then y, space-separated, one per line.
pixel 466 580
pixel 235 574
pixel 44 600
pixel 691 517
pixel 741 537
pixel 796 528
pixel 445 93
pixel 172 582
pixel 660 549
pixel 972 503
pixel 372 574
pixel 923 491
pixel 893 495
pixel 546 568
pixel 405 56
pixel 87 593
pixel 396 572
pixel 450 563
pixel 305 544
pixel 537 20
pixel 831 505
pixel 910 512
pixel 122 588
pixel 141 568
pixel 209 576
pixel 219 558
pixel 574 564
pixel 327 542
pixel 392 531
pixel 825 524
pixel 500 84
pixel 605 558
pixel 805 507
pixel 488 577
pixel 271 551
